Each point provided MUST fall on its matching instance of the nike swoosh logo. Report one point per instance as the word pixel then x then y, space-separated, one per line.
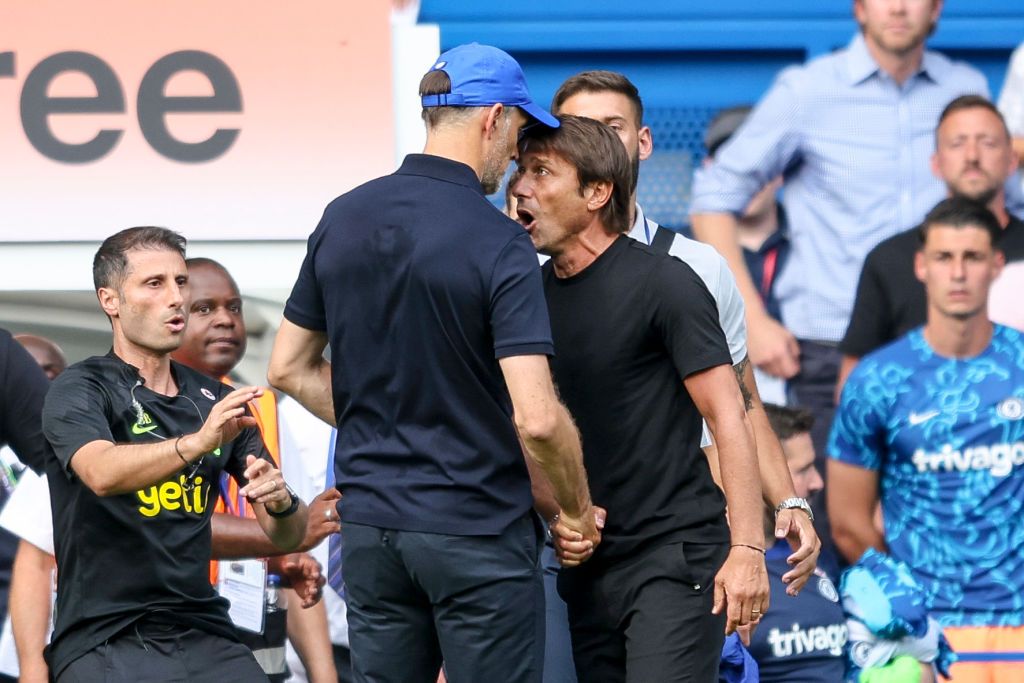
pixel 139 429
pixel 920 418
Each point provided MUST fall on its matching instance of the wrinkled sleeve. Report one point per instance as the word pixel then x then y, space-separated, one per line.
pixel 765 145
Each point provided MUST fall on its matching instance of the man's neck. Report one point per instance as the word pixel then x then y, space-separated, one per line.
pixel 958 338
pixel 454 143
pixel 755 230
pixel 582 250
pixel 998 208
pixel 154 367
pixel 899 65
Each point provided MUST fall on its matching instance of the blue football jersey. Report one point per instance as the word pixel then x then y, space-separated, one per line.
pixel 801 639
pixel 947 439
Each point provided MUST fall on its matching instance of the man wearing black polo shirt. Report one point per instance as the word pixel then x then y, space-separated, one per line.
pixel 974 156
pixel 140 442
pixel 638 365
pixel 432 303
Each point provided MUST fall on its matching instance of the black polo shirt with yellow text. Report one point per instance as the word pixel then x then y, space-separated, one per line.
pixel 146 553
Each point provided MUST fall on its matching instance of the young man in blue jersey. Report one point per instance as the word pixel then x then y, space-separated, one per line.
pixel 932 426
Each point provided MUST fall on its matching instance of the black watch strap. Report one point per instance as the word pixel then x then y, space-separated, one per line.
pixel 291 508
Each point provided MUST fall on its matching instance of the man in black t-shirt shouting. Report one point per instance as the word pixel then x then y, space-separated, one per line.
pixel 637 366
pixel 140 442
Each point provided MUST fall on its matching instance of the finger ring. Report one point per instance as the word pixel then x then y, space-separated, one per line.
pixel 327 514
pixel 755 611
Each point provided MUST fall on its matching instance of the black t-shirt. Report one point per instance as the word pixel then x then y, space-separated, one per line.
pixel 421 286
pixel 123 557
pixel 891 301
pixel 23 387
pixel 628 329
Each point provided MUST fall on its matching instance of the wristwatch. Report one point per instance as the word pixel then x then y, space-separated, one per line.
pixel 291 508
pixel 795 504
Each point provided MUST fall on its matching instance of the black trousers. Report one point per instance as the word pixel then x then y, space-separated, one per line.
pixel 477 602
pixel 648 619
pixel 148 652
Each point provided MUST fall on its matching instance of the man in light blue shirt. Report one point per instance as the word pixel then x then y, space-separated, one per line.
pixel 853 133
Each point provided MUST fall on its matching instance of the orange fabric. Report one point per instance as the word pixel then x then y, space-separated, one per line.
pixel 986 639
pixel 264 409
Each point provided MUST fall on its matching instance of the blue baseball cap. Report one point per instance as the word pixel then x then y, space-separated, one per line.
pixel 482 75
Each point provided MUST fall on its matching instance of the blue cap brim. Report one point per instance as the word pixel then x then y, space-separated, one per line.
pixel 540 115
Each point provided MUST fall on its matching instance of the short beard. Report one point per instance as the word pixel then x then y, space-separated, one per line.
pixel 497 161
pixel 984 197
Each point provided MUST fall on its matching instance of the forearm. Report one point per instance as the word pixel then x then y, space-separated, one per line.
pixel 113 469
pixel 776 482
pixel 311 386
pixel 285 533
pixel 560 458
pixel 543 493
pixel 29 605
pixel 299 369
pixel 721 231
pixel 309 634
pixel 854 536
pixel 240 537
pixel 740 476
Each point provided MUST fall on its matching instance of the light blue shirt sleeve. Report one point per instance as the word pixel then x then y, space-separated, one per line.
pixel 763 147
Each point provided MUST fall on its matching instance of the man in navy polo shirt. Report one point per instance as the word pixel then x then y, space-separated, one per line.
pixel 432 303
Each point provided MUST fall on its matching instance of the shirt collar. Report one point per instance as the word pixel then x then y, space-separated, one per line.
pixel 441 168
pixel 642 230
pixel 861 65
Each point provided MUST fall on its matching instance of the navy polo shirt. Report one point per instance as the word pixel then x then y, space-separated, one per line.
pixel 421 286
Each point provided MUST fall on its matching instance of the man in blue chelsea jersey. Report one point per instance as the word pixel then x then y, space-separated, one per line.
pixel 932 426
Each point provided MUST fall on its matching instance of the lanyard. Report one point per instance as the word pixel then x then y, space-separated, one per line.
pixel 768 273
pixel 330 477
pixel 225 494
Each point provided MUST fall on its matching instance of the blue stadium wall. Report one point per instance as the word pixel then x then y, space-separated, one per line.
pixel 690 58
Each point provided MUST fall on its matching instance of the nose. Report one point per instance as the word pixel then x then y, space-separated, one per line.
pixel 959 271
pixel 223 318
pixel 971 150
pixel 176 294
pixel 815 482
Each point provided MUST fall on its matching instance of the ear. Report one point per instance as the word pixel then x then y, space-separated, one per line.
pixel 646 141
pixel 999 262
pixel 919 270
pixel 490 122
pixel 109 300
pixel 934 161
pixel 858 12
pixel 600 193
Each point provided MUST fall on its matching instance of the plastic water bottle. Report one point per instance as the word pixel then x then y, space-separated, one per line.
pixel 276 599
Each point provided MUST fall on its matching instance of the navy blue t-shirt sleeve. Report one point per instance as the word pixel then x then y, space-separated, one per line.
pixel 305 306
pixel 686 317
pixel 75 413
pixel 518 311
pixel 23 387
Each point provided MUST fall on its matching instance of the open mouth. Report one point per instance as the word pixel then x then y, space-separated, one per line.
pixel 176 323
pixel 525 218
